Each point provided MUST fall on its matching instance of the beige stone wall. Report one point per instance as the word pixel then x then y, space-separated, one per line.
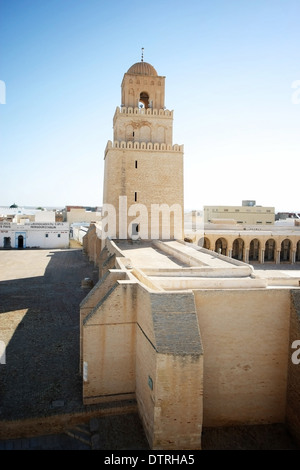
pixel 94 297
pixel 143 186
pixel 169 370
pixel 132 85
pixel 178 404
pixel 92 243
pixel 245 338
pixel 145 372
pixel 143 125
pixel 81 215
pixel 293 382
pixel 108 346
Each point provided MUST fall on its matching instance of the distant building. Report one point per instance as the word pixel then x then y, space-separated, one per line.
pixel 34 235
pixel 31 228
pixel 248 213
pixel 277 243
pixel 81 214
pixel 26 214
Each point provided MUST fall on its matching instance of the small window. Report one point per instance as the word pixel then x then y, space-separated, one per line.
pixel 135 197
pixel 46 235
pixel 58 235
pixel 135 164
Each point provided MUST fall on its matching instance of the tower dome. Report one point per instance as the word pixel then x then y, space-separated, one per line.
pixel 142 68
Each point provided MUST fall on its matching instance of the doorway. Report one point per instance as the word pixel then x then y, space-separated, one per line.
pixel 20 242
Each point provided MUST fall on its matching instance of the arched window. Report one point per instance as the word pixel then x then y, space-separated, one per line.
pixel 144 100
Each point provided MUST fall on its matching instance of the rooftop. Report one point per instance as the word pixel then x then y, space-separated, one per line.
pixel 176 266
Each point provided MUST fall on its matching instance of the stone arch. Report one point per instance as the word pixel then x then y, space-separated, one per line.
pixel 298 251
pixel 270 250
pixel 238 249
pixel 144 100
pixel 221 246
pixel 254 250
pixel 204 242
pixel 285 250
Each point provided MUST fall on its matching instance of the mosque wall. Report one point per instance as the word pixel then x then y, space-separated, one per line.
pixel 245 337
pixel 108 346
pixel 293 382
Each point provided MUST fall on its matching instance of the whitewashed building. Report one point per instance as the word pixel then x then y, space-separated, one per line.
pixel 34 235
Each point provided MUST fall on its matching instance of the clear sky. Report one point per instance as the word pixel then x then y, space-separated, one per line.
pixel 230 68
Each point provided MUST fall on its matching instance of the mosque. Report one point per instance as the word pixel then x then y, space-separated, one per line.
pixel 194 337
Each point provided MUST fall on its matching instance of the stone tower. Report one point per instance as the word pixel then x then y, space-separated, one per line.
pixel 143 175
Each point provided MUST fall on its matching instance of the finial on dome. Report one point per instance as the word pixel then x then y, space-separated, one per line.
pixel 142 59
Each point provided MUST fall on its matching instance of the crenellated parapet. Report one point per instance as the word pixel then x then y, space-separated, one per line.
pixel 156 146
pixel 144 111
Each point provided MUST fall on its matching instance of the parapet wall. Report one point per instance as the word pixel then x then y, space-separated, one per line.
pixel 159 147
pixel 148 111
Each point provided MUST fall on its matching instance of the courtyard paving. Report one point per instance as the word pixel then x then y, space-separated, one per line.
pixel 40 294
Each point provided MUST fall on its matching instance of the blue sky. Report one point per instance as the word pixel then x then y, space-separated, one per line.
pixel 229 64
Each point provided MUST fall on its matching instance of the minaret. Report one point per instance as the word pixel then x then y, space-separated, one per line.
pixel 143 175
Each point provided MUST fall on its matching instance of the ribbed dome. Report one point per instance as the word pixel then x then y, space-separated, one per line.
pixel 142 68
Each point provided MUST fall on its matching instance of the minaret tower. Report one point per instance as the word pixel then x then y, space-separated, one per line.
pixel 143 175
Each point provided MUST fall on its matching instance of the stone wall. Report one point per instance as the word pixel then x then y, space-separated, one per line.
pixel 245 337
pixel 293 383
pixel 108 346
pixel 130 173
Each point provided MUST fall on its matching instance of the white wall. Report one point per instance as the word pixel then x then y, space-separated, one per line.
pixel 35 235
